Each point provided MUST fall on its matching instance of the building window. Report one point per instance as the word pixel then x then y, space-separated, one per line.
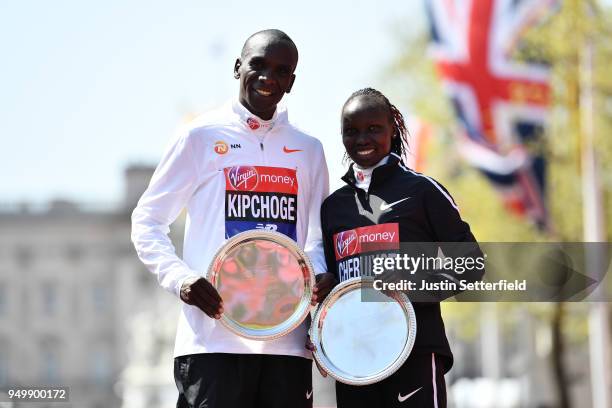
pixel 101 367
pixel 74 253
pixel 101 298
pixel 24 256
pixel 3 299
pixel 49 299
pixel 3 364
pixel 50 366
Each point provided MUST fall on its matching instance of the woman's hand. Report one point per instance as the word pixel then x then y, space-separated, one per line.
pixel 324 284
pixel 312 348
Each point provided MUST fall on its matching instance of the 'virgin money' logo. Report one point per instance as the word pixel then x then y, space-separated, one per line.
pixel 346 243
pixel 253 123
pixel 243 178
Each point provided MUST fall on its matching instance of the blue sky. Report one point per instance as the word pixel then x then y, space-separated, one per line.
pixel 89 87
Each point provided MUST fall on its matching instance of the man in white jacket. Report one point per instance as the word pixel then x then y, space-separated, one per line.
pixel 239 167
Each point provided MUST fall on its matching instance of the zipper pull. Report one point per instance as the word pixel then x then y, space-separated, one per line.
pixel 261 146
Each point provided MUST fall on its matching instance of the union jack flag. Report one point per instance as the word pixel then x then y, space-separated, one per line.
pixel 501 102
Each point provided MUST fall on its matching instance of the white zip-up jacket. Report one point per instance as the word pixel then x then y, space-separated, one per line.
pixel 232 172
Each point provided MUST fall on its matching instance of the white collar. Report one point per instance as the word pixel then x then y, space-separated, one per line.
pixel 254 122
pixel 363 175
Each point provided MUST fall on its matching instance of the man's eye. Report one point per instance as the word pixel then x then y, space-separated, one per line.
pixel 349 132
pixel 256 64
pixel 374 128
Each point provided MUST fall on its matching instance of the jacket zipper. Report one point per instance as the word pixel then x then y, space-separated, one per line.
pixel 261 148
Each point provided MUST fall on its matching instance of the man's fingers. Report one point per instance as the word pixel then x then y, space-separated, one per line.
pixel 204 286
pixel 210 289
pixel 206 295
pixel 203 305
pixel 208 292
pixel 212 309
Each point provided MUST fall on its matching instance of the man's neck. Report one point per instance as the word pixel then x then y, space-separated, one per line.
pixel 261 115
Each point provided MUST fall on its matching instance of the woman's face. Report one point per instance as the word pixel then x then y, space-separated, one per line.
pixel 367 130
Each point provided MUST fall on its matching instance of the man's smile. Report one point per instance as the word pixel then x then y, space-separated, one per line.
pixel 263 92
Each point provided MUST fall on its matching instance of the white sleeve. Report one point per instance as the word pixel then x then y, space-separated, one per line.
pixel 319 190
pixel 172 185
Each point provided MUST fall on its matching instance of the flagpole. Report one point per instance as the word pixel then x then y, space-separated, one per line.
pixel 490 342
pixel 593 231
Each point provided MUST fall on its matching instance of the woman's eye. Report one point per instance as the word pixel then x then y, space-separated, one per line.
pixel 374 128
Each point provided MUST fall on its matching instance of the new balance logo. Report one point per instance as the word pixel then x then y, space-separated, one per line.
pixel 269 227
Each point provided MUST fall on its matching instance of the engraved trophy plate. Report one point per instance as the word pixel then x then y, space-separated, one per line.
pixel 362 342
pixel 265 281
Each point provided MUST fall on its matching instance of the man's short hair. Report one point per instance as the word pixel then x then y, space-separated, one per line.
pixel 272 33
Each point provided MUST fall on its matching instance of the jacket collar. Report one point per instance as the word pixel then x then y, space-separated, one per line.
pixel 379 175
pixel 255 124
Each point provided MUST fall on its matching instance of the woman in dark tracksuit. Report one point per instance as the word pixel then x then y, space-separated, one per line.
pixel 385 199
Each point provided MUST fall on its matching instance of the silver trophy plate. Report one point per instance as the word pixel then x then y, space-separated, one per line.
pixel 265 281
pixel 362 342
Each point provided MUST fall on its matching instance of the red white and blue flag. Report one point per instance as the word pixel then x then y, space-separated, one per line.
pixel 501 102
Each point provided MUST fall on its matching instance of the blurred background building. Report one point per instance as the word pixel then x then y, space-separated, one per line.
pixel 70 288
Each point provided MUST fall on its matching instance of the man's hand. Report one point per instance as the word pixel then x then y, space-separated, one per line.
pixel 197 291
pixel 325 283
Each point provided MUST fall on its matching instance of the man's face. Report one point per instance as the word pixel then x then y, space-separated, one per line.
pixel 265 71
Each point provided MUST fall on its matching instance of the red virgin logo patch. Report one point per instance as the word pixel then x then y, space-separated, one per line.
pixel 243 178
pixel 253 123
pixel 346 243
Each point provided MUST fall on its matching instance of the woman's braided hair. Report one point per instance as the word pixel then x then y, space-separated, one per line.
pixel 399 143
